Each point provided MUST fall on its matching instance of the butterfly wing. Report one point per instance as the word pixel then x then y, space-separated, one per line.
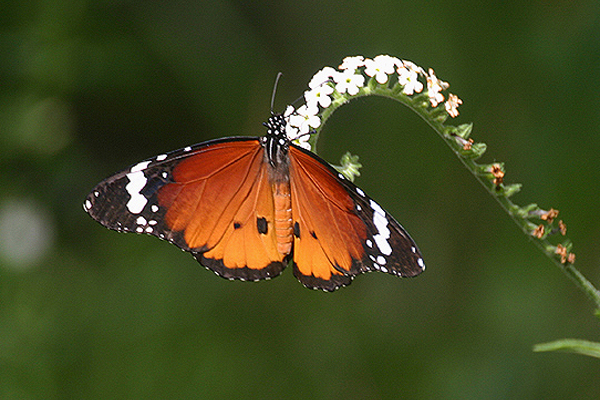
pixel 213 200
pixel 340 231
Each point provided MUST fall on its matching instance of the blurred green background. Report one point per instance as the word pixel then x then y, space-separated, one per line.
pixel 90 87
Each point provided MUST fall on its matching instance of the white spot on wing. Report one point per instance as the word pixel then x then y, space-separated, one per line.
pixel 421 263
pixel 140 166
pixel 360 192
pixel 87 205
pixel 161 157
pixel 381 260
pixel 383 233
pixel 154 208
pixel 137 181
pixel 141 220
pixel 187 149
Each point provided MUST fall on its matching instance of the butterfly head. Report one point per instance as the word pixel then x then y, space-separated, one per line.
pixel 275 142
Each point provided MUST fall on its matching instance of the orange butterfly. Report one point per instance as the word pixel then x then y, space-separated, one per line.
pixel 245 207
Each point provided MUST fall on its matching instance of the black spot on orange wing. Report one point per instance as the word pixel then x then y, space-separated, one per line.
pixel 296 229
pixel 262 225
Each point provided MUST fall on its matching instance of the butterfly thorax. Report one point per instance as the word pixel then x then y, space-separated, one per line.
pixel 276 142
pixel 276 146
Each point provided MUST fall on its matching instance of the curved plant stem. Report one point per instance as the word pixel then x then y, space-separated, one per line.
pixel 435 118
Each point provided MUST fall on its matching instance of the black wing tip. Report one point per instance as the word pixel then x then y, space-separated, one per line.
pixel 269 271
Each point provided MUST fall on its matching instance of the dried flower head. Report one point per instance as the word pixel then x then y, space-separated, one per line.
pixel 497 173
pixel 539 231
pixel 452 105
pixel 562 227
pixel 562 252
pixel 549 215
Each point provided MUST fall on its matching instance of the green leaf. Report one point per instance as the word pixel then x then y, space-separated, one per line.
pixel 578 346
pixel 475 152
pixel 464 130
pixel 509 190
pixel 349 166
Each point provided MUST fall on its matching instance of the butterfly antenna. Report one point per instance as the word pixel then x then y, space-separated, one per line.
pixel 279 74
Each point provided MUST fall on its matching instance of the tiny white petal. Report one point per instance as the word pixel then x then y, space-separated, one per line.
pixel 380 67
pixel 304 119
pixel 322 77
pixel 352 63
pixel 289 111
pixel 319 95
pixel 349 82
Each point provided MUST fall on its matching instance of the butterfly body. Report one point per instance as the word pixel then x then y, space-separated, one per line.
pixel 246 207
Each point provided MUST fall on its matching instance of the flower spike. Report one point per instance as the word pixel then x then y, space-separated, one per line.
pixel 421 90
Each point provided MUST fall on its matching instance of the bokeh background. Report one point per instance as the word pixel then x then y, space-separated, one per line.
pixel 90 87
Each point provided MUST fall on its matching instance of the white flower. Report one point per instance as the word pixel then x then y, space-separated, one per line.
pixel 409 78
pixel 411 66
pixel 322 77
pixel 304 119
pixel 452 105
pixel 291 132
pixel 319 95
pixel 352 63
pixel 302 141
pixel 380 67
pixel 349 82
pixel 434 88
pixel 289 111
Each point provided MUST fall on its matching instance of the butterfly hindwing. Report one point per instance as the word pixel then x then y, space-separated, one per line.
pixel 213 200
pixel 341 232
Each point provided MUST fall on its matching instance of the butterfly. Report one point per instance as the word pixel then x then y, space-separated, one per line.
pixel 245 207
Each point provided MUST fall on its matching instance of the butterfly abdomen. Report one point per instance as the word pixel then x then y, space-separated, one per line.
pixel 283 217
